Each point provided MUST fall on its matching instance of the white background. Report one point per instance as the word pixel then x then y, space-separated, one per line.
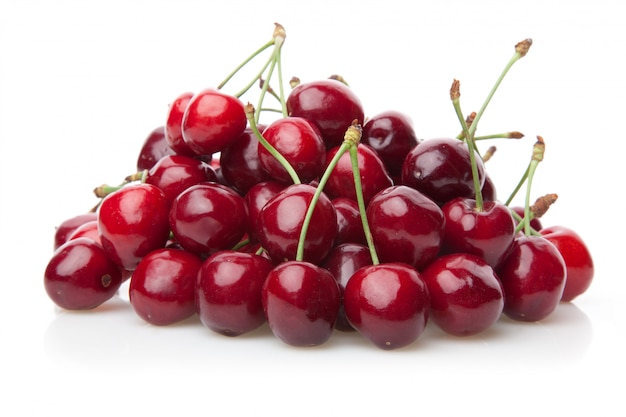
pixel 83 83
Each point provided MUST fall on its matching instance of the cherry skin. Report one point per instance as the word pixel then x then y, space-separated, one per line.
pixel 162 288
pixel 406 226
pixel 488 190
pixel 330 104
pixel 81 276
pixel 88 230
pixel 300 143
pixel 441 169
pixel 392 136
pixel 229 292
pixel 256 198
pixel 301 302
pixel 133 221
pixel 212 121
pixel 173 125
pixel 68 226
pixel 208 217
pixel 343 261
pixel 533 277
pixel 577 257
pixel 155 147
pixel 388 304
pixel 349 224
pixel 240 162
pixel 282 218
pixel 466 295
pixel 487 233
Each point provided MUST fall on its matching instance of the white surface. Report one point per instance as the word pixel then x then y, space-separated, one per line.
pixel 83 83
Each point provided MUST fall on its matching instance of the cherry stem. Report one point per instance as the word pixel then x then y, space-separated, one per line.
pixel 250 113
pixel 279 40
pixel 245 62
pixel 518 186
pixel 455 94
pixel 505 135
pixel 537 156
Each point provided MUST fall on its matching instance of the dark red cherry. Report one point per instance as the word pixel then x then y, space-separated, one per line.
pixel 256 198
pixel 391 135
pixel 441 169
pixel 487 233
pixel 173 174
pixel 466 296
pixel 229 292
pixel 489 192
pixel 133 221
pixel 154 147
pixel 300 143
pixel 330 104
pixel 533 277
pixel 208 217
pixel 162 288
pixel 81 276
pixel 173 125
pixel 577 258
pixel 301 302
pixel 343 261
pixel 281 220
pixel 212 121
pixel 406 226
pixel 68 226
pixel 240 162
pixel 374 176
pixel 349 223
pixel 388 304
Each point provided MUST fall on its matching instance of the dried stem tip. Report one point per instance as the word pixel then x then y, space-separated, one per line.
pixel 294 82
pixel 455 90
pixel 353 133
pixel 523 47
pixel 339 78
pixel 279 34
pixel 489 153
pixel 542 205
pixel 538 149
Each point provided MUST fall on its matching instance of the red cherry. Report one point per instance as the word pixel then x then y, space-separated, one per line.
pixel 162 288
pixel 133 221
pixel 406 226
pixel 330 104
pixel 388 304
pixel 68 226
pixel 81 276
pixel 229 292
pixel 488 190
pixel 88 230
pixel 155 147
pixel 577 257
pixel 533 277
pixel 466 296
pixel 173 125
pixel 212 121
pixel 349 224
pixel 240 162
pixel 301 302
pixel 256 198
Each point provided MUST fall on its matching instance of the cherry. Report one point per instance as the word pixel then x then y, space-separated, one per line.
pixel 173 125
pixel 301 302
pixel 533 277
pixel 229 292
pixel 300 143
pixel 466 295
pixel 388 304
pixel 155 147
pixel 162 288
pixel 374 176
pixel 208 217
pixel 392 136
pixel 441 169
pixel 406 226
pixel 133 221
pixel 488 190
pixel 81 276
pixel 212 121
pixel 577 258
pixel 349 224
pixel 68 226
pixel 256 198
pixel 282 218
pixel 88 230
pixel 240 163
pixel 330 104
pixel 487 233
pixel 343 261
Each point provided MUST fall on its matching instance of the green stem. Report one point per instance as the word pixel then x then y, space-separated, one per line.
pixel 244 63
pixel 538 151
pixel 518 186
pixel 255 79
pixel 505 135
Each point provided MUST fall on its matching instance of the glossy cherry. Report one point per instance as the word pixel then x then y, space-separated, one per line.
pixel 88 230
pixel 441 169
pixel 173 125
pixel 388 304
pixel 406 226
pixel 301 302
pixel 577 257
pixel 81 276
pixel 162 288
pixel 466 295
pixel 330 104
pixel 154 147
pixel 63 231
pixel 212 121
pixel 228 290
pixel 533 277
pixel 256 198
pixel 349 224
pixel 133 221
pixel 240 162
pixel 208 217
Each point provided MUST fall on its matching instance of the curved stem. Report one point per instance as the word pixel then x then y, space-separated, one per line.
pixel 255 79
pixel 518 186
pixel 246 61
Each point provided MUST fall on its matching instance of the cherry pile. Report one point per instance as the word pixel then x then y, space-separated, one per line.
pixel 320 219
